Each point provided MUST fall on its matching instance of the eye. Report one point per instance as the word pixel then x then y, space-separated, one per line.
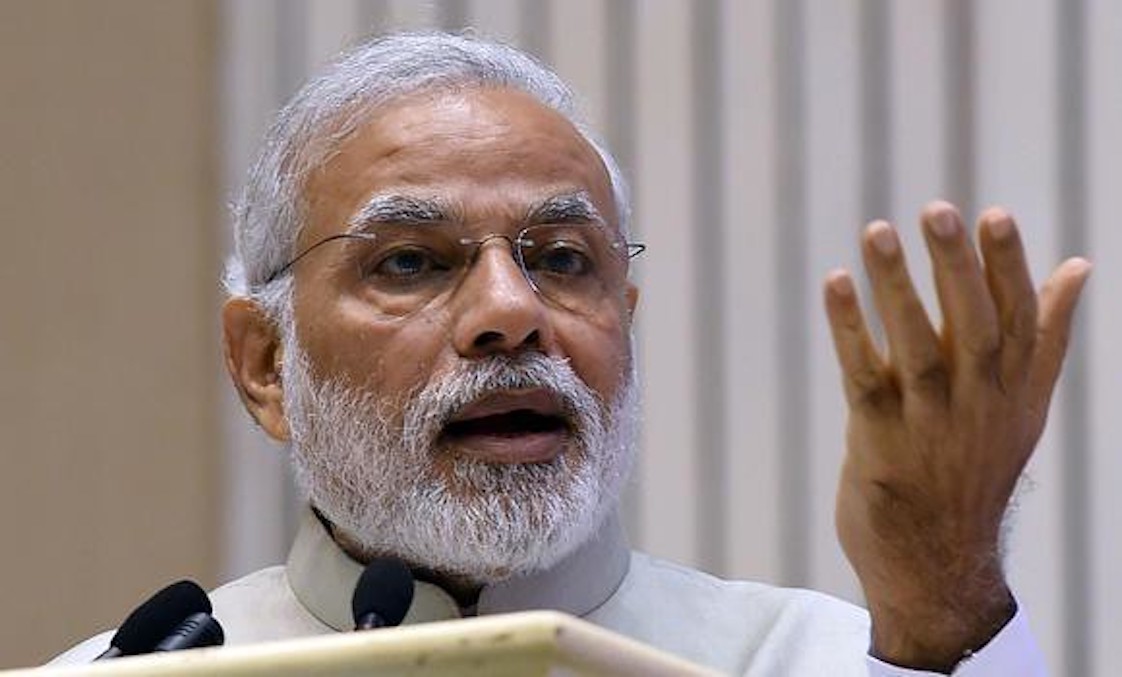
pixel 406 264
pixel 561 258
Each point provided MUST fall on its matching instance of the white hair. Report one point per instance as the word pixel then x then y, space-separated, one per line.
pixel 269 214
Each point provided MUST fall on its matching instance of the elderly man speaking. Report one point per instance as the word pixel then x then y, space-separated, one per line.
pixel 430 300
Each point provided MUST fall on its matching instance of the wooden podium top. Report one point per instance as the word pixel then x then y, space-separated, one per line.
pixel 522 644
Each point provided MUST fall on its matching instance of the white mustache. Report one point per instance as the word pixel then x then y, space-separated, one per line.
pixel 443 397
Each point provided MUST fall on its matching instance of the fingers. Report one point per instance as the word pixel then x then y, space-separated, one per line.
pixel 912 343
pixel 1057 302
pixel 861 364
pixel 1010 286
pixel 969 313
pixel 996 326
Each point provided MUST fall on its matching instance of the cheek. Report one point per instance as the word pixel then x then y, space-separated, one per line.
pixel 600 353
pixel 372 354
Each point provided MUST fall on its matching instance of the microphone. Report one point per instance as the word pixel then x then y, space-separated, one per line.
pixel 382 595
pixel 197 630
pixel 156 618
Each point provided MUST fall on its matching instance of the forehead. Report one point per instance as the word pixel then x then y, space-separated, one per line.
pixel 489 151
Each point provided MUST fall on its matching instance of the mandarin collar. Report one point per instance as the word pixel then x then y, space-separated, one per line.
pixel 323 577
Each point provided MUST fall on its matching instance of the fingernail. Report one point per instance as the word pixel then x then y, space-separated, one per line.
pixel 884 240
pixel 943 224
pixel 1000 226
pixel 840 284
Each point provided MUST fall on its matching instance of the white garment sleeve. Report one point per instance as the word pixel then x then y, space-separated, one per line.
pixel 1012 651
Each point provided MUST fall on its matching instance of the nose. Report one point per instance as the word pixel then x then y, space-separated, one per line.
pixel 496 309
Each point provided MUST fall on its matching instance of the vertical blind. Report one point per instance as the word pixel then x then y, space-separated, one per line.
pixel 759 136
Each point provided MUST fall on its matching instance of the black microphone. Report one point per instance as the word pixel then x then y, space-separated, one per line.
pixel 382 595
pixel 156 618
pixel 196 631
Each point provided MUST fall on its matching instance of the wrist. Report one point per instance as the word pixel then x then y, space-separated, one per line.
pixel 938 637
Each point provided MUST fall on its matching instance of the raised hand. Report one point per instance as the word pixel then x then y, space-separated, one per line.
pixel 941 427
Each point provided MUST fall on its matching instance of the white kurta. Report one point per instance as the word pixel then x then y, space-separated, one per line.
pixel 736 627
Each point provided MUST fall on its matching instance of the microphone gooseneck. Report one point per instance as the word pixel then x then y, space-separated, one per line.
pixel 382 595
pixel 156 618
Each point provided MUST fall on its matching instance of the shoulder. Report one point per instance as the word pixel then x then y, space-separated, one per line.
pixel 257 607
pixel 657 577
pixel 268 581
pixel 739 627
pixel 84 652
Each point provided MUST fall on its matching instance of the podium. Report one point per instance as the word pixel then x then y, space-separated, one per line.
pixel 522 644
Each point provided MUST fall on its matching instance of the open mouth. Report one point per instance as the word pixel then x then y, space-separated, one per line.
pixel 511 424
pixel 523 426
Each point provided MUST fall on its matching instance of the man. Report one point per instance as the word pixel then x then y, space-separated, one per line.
pixel 430 301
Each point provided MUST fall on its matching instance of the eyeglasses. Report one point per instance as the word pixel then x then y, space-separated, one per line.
pixel 401 268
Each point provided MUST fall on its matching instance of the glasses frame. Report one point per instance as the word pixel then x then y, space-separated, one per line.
pixel 630 249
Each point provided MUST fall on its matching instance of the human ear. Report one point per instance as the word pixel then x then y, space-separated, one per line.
pixel 631 295
pixel 254 354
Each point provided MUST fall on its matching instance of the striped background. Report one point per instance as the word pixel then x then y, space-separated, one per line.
pixel 759 136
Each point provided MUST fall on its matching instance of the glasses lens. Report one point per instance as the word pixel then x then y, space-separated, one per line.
pixel 576 266
pixel 399 269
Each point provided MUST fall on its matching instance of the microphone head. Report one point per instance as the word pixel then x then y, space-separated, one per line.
pixel 385 589
pixel 160 616
pixel 196 631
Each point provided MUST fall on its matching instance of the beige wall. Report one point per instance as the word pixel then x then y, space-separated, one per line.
pixel 107 312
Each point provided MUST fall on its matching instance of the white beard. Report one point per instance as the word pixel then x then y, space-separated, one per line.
pixel 368 464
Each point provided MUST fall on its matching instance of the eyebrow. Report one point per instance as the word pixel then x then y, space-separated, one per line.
pixel 397 209
pixel 565 208
pixel 576 207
